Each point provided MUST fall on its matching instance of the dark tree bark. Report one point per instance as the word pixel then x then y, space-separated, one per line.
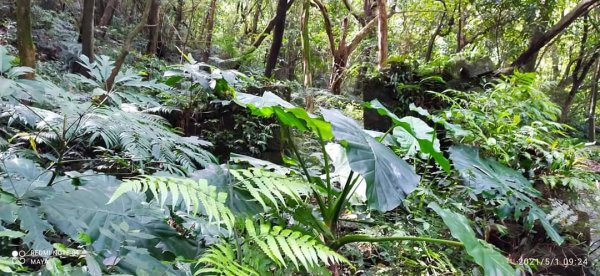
pixel 86 35
pixel 579 73
pixel 461 40
pixel 277 37
pixel 593 101
pixel 583 63
pixel 24 37
pixel 108 13
pixel 153 27
pixel 531 52
pixel 382 33
pixel 210 23
pixel 265 33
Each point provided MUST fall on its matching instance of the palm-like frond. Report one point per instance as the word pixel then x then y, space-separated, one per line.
pixel 284 244
pixel 221 259
pixel 194 193
pixel 269 188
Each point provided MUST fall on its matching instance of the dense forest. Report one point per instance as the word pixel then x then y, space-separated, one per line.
pixel 299 137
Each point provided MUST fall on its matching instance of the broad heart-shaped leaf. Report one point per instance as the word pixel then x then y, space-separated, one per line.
pixel 492 179
pixel 487 175
pixel 484 254
pixel 419 130
pixel 389 178
pixel 287 114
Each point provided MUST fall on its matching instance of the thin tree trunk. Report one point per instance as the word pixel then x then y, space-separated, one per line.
pixel 127 47
pixel 580 71
pixel 265 33
pixel 306 58
pixel 460 33
pixel 86 35
pixel 154 28
pixel 87 29
pixel 257 12
pixel 24 37
pixel 593 101
pixel 277 37
pixel 210 23
pixel 579 75
pixel 108 13
pixel 382 37
pixel 340 60
pixel 435 34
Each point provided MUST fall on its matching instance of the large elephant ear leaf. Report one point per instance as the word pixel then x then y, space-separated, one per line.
pixel 483 253
pixel 490 178
pixel 389 179
pixel 270 104
pixel 422 133
pixel 488 175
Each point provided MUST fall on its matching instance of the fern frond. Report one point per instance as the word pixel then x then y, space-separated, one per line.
pixel 221 260
pixel 281 244
pixel 268 187
pixel 194 193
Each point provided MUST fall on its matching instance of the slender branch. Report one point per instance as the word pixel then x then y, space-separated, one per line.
pixel 327 24
pixel 127 46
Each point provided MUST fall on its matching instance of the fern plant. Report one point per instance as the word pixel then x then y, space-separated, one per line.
pixel 194 194
pixel 59 121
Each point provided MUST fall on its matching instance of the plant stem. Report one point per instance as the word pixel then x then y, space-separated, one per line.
pixel 341 201
pixel 386 133
pixel 305 170
pixel 365 238
pixel 327 169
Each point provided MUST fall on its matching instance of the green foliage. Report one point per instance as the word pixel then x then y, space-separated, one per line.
pixel 514 121
pixel 222 260
pixel 512 192
pixel 420 132
pixel 269 188
pixel 484 254
pixel 195 194
pixel 388 178
pixel 277 242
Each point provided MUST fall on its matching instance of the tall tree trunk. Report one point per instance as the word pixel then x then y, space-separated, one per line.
pixel 306 58
pixel 108 13
pixel 277 37
pixel 153 27
pixel 24 37
pixel 531 52
pixel 593 101
pixel 210 23
pixel 86 35
pixel 461 40
pixel 382 31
